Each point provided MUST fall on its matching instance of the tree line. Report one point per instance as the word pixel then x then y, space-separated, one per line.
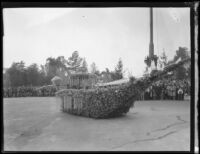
pixel 33 75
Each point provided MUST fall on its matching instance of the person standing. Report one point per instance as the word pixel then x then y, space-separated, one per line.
pixel 151 93
pixel 147 94
pixel 169 92
pixel 177 92
pixel 162 94
pixel 174 92
pixel 183 94
pixel 180 94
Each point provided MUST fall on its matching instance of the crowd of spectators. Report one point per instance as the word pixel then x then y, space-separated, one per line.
pixel 167 89
pixel 29 91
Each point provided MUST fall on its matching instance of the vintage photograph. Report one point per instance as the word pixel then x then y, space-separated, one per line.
pixel 97 79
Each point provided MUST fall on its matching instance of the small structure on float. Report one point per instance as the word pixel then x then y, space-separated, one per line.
pixel 82 80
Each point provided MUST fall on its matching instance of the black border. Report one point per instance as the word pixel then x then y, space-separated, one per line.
pixel 192 101
pixel 116 4
pixel 96 4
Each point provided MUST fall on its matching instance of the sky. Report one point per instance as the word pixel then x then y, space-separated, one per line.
pixel 100 35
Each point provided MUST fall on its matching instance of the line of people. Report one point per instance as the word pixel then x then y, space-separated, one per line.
pixel 29 91
pixel 167 89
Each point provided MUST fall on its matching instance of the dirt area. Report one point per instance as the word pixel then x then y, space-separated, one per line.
pixel 37 124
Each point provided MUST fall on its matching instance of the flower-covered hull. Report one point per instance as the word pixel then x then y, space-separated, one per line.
pixel 97 103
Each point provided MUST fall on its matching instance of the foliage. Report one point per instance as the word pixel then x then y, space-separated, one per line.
pixel 84 68
pixel 6 80
pixel 132 79
pixel 153 72
pixel 155 59
pixel 17 74
pixel 102 102
pixel 182 53
pixel 108 76
pixel 118 73
pixel 170 68
pixel 147 61
pixel 94 69
pixel 181 72
pixel 74 62
pixel 32 75
pixel 55 66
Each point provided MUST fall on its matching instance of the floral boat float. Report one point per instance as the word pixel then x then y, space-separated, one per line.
pixel 108 100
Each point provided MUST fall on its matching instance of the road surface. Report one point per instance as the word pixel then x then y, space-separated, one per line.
pixel 37 124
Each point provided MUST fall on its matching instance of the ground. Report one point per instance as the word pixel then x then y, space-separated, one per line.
pixel 37 124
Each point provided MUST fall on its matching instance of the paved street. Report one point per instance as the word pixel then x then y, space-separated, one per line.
pixel 38 124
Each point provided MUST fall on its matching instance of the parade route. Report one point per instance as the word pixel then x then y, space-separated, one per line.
pixel 37 124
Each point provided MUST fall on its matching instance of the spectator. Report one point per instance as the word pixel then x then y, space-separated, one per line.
pixel 29 91
pixel 180 94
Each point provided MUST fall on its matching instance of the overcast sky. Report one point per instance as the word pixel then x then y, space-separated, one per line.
pixel 101 35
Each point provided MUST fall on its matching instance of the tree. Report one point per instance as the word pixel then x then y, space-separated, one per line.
pixel 94 69
pixel 6 80
pixel 17 74
pixel 61 63
pixel 51 67
pixel 182 53
pixel 106 75
pixel 43 80
pixel 74 62
pixel 55 66
pixel 33 75
pixel 84 67
pixel 118 73
pixel 181 72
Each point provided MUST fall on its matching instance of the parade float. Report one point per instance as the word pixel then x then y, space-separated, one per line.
pixel 108 100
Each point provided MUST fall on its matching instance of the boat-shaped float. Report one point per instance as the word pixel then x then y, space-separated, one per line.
pixel 110 100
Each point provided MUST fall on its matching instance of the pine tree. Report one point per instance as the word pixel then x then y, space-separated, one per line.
pixel 84 67
pixel 93 68
pixel 74 62
pixel 118 73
